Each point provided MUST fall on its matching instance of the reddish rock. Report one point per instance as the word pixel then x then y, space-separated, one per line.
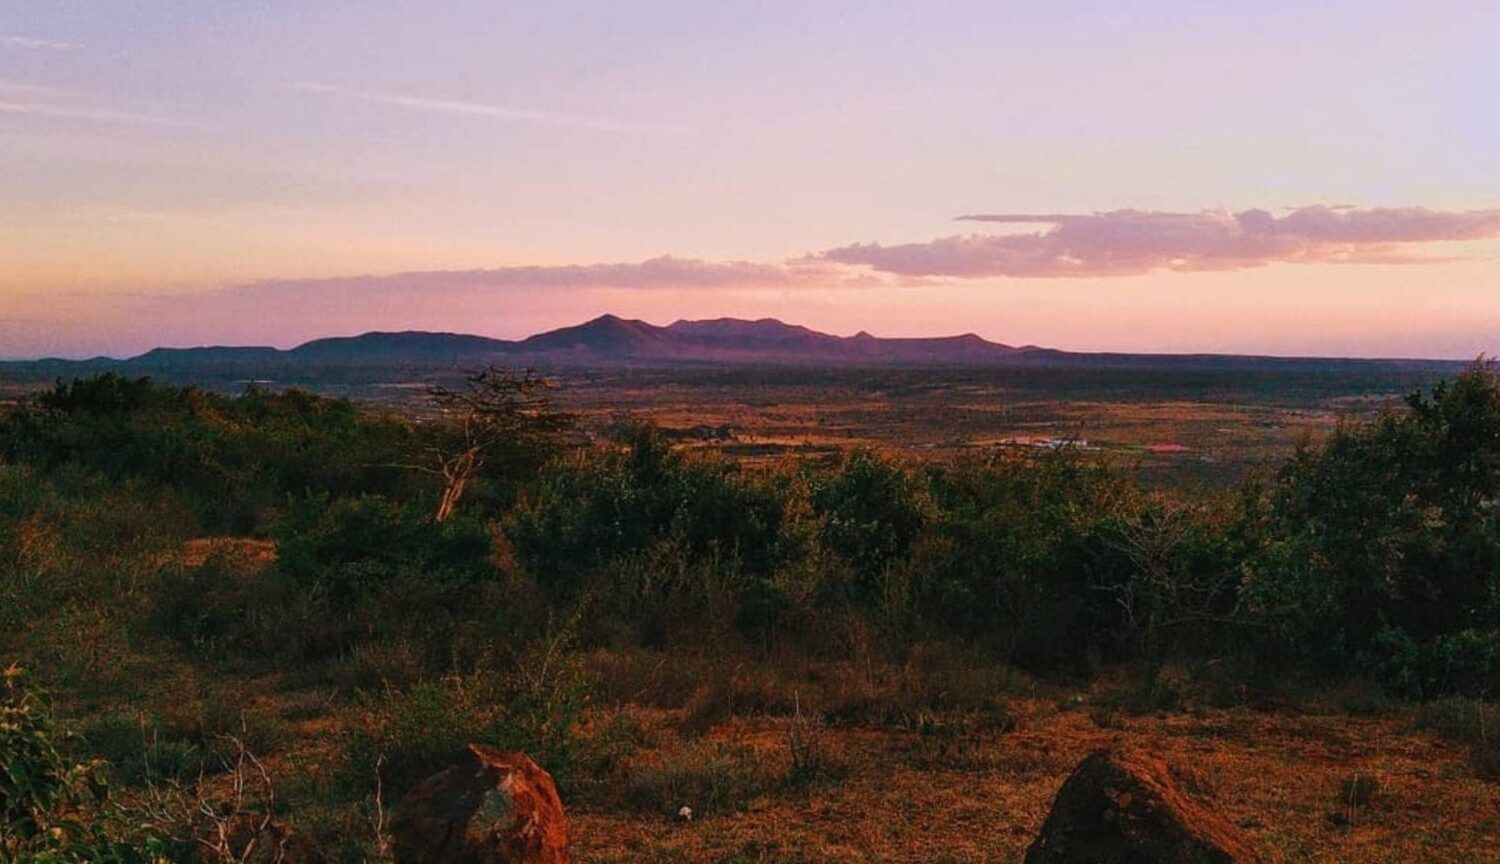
pixel 491 808
pixel 1126 808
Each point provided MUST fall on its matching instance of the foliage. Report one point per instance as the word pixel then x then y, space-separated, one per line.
pixel 1383 545
pixel 51 808
pixel 873 512
pixel 501 420
pixel 406 736
pixel 595 519
pixel 347 572
pixel 236 459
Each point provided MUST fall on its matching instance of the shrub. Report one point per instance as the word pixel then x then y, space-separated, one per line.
pixel 1024 543
pixel 651 536
pixel 54 809
pixel 1473 723
pixel 234 459
pixel 710 778
pixel 1383 544
pixel 354 578
pixel 873 511
pixel 407 736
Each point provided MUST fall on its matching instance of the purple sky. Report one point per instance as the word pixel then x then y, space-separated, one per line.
pixel 1270 176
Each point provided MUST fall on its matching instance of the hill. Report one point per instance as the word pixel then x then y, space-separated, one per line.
pixel 611 342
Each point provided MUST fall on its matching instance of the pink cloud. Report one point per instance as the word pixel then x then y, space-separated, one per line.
pixel 665 272
pixel 1133 242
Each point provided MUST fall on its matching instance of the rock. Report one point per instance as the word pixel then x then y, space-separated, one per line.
pixel 491 808
pixel 1126 808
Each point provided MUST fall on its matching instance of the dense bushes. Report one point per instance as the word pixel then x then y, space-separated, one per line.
pixel 235 460
pixel 643 529
pixel 1375 552
pixel 1382 546
pixel 346 572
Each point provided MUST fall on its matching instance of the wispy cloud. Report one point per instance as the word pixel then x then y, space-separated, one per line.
pixel 662 273
pixel 39 100
pixel 88 114
pixel 9 86
pixel 115 214
pixel 482 109
pixel 1132 242
pixel 16 41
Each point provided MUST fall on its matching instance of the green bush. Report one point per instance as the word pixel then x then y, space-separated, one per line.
pixel 1383 544
pixel 406 736
pixel 649 531
pixel 873 511
pixel 53 809
pixel 233 459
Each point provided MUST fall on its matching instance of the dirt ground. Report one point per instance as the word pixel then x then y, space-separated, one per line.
pixel 1282 776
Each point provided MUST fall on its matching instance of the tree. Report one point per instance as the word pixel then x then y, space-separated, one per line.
pixel 1384 542
pixel 500 417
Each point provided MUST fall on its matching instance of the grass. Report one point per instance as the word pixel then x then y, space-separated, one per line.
pixel 1472 723
pixel 934 757
pixel 849 738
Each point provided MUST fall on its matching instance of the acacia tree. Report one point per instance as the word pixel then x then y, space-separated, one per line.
pixel 499 415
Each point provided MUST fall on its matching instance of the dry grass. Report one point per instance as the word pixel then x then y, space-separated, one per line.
pixel 1303 788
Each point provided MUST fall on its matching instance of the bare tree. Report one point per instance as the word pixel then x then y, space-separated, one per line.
pixel 1163 592
pixel 497 415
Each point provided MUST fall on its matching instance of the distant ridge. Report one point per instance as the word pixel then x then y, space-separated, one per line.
pixel 410 344
pixel 610 341
pixel 606 341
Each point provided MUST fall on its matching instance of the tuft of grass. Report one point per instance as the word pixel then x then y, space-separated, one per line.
pixel 1473 723
pixel 1358 790
pixel 744 691
pixel 805 742
pixel 1361 697
pixel 712 778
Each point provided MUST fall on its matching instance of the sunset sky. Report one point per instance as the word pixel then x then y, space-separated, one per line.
pixel 1271 177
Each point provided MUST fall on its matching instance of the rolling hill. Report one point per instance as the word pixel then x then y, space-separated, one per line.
pixel 605 341
pixel 610 342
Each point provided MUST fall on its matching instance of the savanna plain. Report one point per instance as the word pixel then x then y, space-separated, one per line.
pixel 837 615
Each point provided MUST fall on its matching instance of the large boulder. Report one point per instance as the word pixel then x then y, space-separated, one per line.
pixel 1126 808
pixel 490 808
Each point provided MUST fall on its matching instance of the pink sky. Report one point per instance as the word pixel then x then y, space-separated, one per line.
pixel 1162 176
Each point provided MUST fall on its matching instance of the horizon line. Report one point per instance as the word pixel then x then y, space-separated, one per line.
pixel 1480 356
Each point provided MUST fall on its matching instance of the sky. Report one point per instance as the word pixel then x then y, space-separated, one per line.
pixel 1269 177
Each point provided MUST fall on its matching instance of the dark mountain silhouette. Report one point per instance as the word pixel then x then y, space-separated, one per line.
pixel 607 335
pixel 610 341
pixel 407 346
pixel 218 354
pixel 604 341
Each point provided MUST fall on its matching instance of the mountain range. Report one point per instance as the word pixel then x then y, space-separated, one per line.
pixel 607 341
pixel 613 342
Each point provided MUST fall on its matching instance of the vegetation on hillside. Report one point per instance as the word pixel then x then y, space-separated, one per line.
pixel 486 596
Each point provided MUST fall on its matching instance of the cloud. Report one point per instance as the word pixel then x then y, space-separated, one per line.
pixel 20 97
pixel 501 300
pixel 9 86
pixel 1133 242
pixel 665 272
pixel 479 109
pixel 88 113
pixel 13 41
